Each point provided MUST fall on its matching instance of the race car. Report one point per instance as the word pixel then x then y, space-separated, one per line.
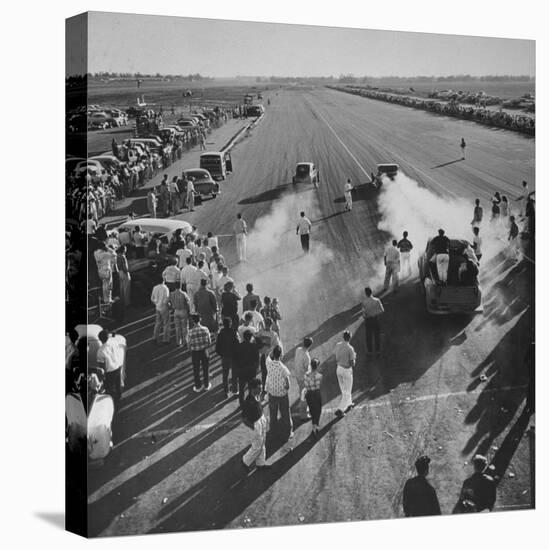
pixel 306 172
pixel 461 293
pixel 387 170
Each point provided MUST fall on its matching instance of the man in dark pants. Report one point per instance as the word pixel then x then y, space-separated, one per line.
pixel 419 498
pixel 372 308
pixel 106 359
pixel 277 386
pixel 247 363
pixel 199 341
pixel 226 346
pixel 303 229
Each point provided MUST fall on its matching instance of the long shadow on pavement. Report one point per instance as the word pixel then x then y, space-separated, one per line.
pixel 275 193
pixel 105 509
pixel 200 508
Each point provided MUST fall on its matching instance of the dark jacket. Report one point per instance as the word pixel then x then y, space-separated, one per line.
pixel 251 410
pixel 227 343
pixel 441 245
pixel 229 304
pixel 247 361
pixel 479 490
pixel 419 498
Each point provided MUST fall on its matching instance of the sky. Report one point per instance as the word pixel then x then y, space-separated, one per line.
pixel 220 48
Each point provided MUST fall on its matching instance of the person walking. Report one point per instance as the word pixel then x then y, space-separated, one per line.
pixel 226 346
pixel 372 308
pixel 205 304
pixel 419 497
pixel 240 229
pixel 478 492
pixel 277 386
pixel 124 276
pixel 345 356
pixel 302 364
pixel 348 194
pixel 303 229
pixel 504 210
pixel 405 248
pixel 478 213
pixel 199 342
pixel 160 297
pixel 152 202
pixel 462 146
pixel 180 304
pixel 174 196
pixel 392 266
pixel 253 417
pixel 247 363
pixel 441 249
pixel 312 383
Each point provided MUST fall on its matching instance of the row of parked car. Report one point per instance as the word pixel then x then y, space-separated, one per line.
pixel 96 117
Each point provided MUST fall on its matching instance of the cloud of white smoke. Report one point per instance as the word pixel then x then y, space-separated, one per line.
pixel 405 206
pixel 276 264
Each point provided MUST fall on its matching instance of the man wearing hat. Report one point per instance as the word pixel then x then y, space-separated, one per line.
pixel 419 497
pixel 478 492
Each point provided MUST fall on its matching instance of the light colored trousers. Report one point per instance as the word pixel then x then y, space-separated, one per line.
pixel 162 325
pixel 106 284
pixel 391 272
pixel 125 287
pixel 443 261
pixel 406 265
pixel 345 380
pixel 256 453
pixel 241 246
pixel 181 323
pixel 348 201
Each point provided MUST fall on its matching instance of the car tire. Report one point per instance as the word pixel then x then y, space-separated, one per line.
pixel 214 195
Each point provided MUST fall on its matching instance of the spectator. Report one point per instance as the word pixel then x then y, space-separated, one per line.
pixel 160 298
pixel 419 498
pixel 205 304
pixel 199 342
pixel 246 301
pixel 172 275
pixel 372 308
pixel 277 386
pixel 247 363
pixel 478 492
pixel 302 363
pixel 226 347
pixel 252 416
pixel 124 276
pixel 180 304
pixel 345 358
pixel 229 304
pixel 312 384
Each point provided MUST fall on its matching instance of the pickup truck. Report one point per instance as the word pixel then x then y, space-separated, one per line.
pixel 457 295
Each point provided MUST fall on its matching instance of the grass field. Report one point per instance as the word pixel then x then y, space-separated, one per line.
pixel 506 90
pixel 124 94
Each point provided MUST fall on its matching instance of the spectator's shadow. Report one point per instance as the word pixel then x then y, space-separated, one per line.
pixel 200 508
pixel 276 193
pixel 446 163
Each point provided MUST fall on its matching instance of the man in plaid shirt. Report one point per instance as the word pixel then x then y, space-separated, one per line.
pixel 199 341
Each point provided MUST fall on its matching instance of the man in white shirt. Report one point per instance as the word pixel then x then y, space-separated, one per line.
pixel 172 275
pixel 189 276
pixel 110 360
pixel 345 356
pixel 257 319
pixel 392 266
pixel 222 280
pixel 303 229
pixel 182 254
pixel 247 326
pixel 160 297
pixel 477 243
pixel 347 191
pixel 240 228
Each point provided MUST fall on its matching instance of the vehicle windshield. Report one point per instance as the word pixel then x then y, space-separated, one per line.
pixel 196 174
pixel 387 168
pixel 302 169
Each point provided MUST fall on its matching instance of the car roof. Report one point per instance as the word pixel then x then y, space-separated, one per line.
pixel 212 154
pixel 388 166
pixel 305 164
pixel 154 225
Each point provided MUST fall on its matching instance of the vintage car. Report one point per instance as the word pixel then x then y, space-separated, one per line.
pixel 455 296
pixel 306 172
pixel 217 163
pixel 385 170
pixel 203 182
pixel 156 226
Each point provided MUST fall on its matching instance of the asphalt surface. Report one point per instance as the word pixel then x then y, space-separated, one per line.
pixel 176 462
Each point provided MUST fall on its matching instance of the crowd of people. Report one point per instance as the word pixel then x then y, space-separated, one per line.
pixel 492 117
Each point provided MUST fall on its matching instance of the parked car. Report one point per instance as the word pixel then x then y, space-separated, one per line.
pixel 94 166
pixel 203 182
pixel 72 162
pixel 218 164
pixel 100 120
pixel 186 123
pixel 454 296
pixel 107 161
pixel 164 227
pixel 306 172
